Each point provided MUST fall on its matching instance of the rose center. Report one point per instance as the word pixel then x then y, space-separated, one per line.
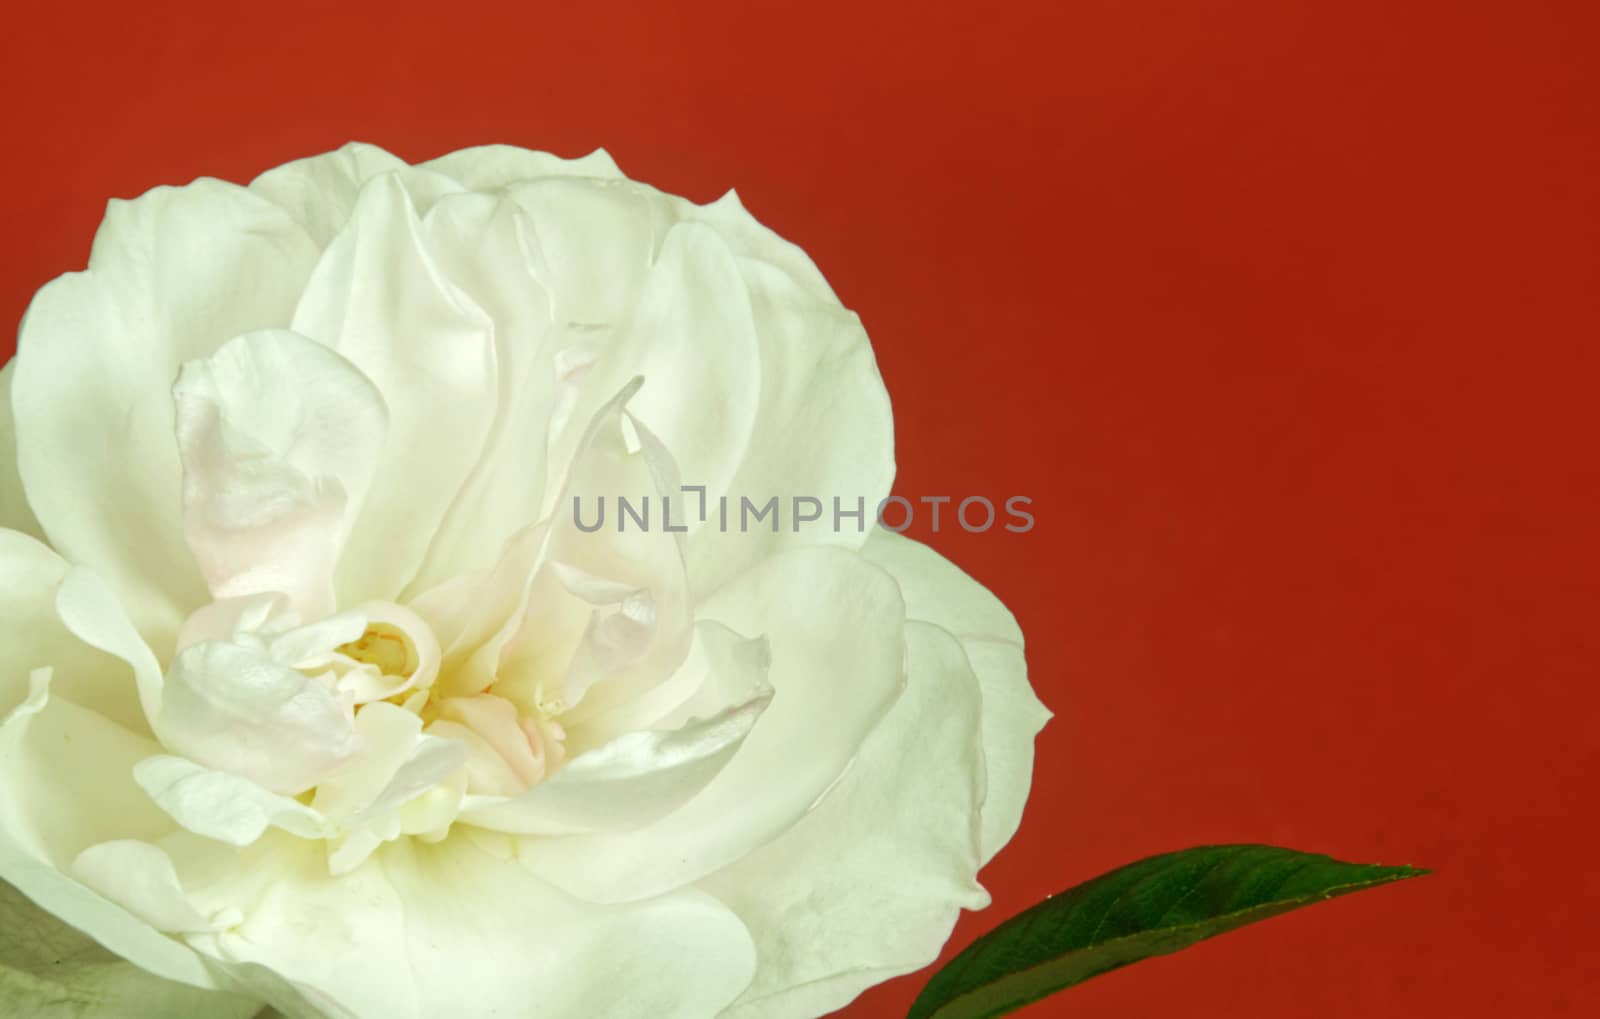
pixel 385 647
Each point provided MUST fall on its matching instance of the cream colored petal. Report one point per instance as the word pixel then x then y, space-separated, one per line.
pixel 493 167
pixel 692 338
pixel 279 438
pixel 221 806
pixel 598 238
pixel 53 971
pixel 320 191
pixel 397 762
pixel 56 802
pixel 236 710
pixel 141 878
pixel 628 783
pixel 834 623
pixel 752 239
pixel 15 513
pixel 486 247
pixel 379 298
pixel 32 635
pixel 824 431
pixel 173 275
pixel 869 883
pixel 420 931
pixel 938 592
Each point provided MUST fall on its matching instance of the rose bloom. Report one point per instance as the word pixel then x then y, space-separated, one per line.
pixel 316 696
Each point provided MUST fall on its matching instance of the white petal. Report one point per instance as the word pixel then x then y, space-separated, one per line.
pixel 937 591
pixel 868 885
pixel 536 629
pixel 379 299
pixel 419 930
pixel 692 338
pixel 279 438
pixel 58 802
pixel 476 614
pixel 315 646
pixel 631 581
pixel 173 275
pixel 492 167
pixel 628 783
pixel 140 877
pixel 320 191
pixel 485 246
pixel 752 239
pixel 219 805
pixel 398 766
pixel 238 619
pixel 489 769
pixel 52 970
pixel 15 513
pixel 598 238
pixel 88 608
pixel 824 431
pixel 32 635
pixel 395 764
pixel 721 671
pixel 834 624
pixel 312 645
pixel 236 710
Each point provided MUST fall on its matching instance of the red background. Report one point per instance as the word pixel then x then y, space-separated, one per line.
pixel 1284 314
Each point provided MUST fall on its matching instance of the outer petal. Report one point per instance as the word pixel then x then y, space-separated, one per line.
pixel 50 969
pixel 937 591
pixel 320 191
pixel 32 635
pixel 824 430
pixel 834 627
pixel 423 931
pixel 492 167
pixel 56 801
pixel 15 513
pixel 692 338
pixel 598 238
pixel 752 239
pixel 172 276
pixel 868 885
pixel 379 298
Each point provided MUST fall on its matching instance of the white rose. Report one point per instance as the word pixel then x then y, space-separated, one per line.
pixel 315 692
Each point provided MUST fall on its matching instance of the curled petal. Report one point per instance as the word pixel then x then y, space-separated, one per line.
pixel 834 625
pixel 141 878
pixel 58 802
pixel 869 884
pixel 239 711
pixel 221 806
pixel 279 437
pixel 936 591
pixel 627 783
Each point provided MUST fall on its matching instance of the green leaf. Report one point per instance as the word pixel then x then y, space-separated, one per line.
pixel 49 970
pixel 1152 907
